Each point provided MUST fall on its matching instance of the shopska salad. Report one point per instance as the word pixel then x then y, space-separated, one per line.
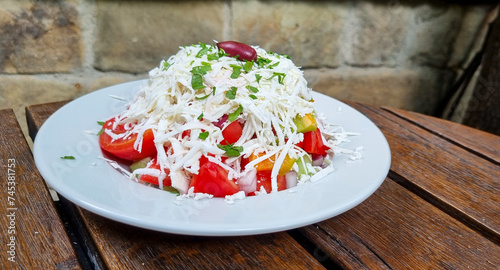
pixel 222 120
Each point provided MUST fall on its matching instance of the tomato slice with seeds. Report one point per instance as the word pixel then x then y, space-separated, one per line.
pixel 213 179
pixel 313 143
pixel 124 147
pixel 232 133
pixel 153 164
pixel 264 180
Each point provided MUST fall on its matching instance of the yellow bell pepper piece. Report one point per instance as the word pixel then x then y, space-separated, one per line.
pixel 305 123
pixel 268 164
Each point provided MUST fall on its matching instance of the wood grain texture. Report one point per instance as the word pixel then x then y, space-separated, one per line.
pixel 396 229
pixel 482 143
pixel 37 114
pixel 438 209
pixel 453 178
pixel 40 238
pixel 125 247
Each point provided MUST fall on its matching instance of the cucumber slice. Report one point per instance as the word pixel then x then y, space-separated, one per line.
pixel 140 164
pixel 304 163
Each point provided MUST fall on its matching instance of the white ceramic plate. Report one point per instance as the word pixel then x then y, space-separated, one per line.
pixel 93 184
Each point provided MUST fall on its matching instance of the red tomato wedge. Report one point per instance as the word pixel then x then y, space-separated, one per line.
pixel 213 179
pixel 264 180
pixel 153 164
pixel 232 133
pixel 313 143
pixel 124 147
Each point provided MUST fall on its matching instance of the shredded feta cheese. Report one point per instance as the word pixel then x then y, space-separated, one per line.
pixel 270 95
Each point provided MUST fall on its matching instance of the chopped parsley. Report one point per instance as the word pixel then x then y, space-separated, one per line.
pixel 204 50
pixel 252 96
pixel 258 77
pixel 68 157
pixel 197 81
pixel 252 88
pixel 215 56
pixel 200 116
pixel 203 135
pixel 261 61
pixel 166 65
pixel 248 66
pixel 203 69
pixel 101 123
pixel 234 115
pixel 280 55
pixel 198 72
pixel 231 94
pixel 273 65
pixel 236 71
pixel 231 150
pixel 207 95
pixel 281 76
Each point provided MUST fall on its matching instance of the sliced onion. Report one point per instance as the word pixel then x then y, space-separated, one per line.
pixel 291 178
pixel 248 182
pixel 317 160
pixel 221 121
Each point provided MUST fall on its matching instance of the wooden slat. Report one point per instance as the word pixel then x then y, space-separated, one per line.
pixel 452 177
pixel 458 181
pixel 480 142
pixel 37 114
pixel 153 250
pixel 124 247
pixel 396 229
pixel 27 213
pixel 403 225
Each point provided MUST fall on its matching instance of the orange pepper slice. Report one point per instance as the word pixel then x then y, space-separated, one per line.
pixel 268 164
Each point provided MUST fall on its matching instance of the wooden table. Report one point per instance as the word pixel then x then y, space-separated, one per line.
pixel 439 208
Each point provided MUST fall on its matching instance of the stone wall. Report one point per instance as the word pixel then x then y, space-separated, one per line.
pixel 404 54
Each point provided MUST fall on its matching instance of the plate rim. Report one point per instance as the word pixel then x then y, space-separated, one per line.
pixel 375 184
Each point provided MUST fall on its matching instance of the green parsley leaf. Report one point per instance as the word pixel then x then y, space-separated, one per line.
pixel 248 66
pixel 197 82
pixel 281 76
pixel 207 95
pixel 258 77
pixel 252 96
pixel 203 51
pixel 200 116
pixel 253 89
pixel 234 115
pixel 202 70
pixel 231 94
pixel 166 65
pixel 101 123
pixel 198 72
pixel 236 71
pixel 213 56
pixel 273 65
pixel 231 150
pixel 263 61
pixel 68 157
pixel 203 135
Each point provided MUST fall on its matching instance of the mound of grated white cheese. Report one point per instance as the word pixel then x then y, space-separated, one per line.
pixel 266 95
